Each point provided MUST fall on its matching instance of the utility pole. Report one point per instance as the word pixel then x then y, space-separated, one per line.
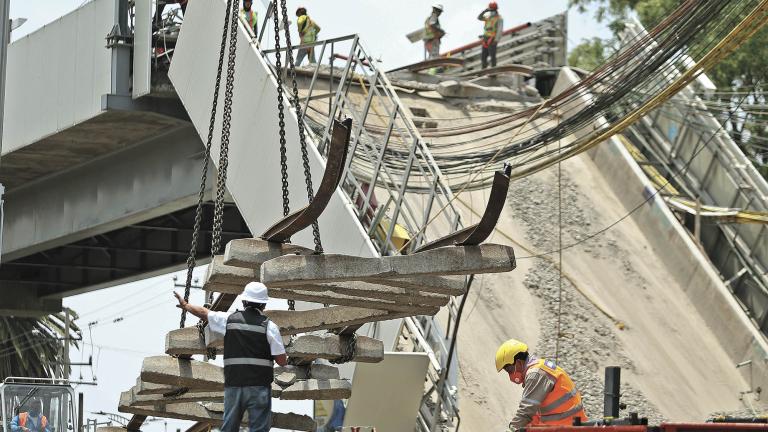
pixel 66 341
pixel 5 39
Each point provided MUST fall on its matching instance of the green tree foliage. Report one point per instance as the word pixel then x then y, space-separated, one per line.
pixel 744 71
pixel 590 54
pixel 33 347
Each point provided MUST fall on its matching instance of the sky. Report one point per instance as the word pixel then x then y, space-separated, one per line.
pixel 129 322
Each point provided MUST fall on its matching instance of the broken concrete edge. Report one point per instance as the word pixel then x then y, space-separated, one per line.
pixel 218 272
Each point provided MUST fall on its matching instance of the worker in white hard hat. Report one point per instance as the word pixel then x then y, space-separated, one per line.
pixel 433 32
pixel 550 397
pixel 252 344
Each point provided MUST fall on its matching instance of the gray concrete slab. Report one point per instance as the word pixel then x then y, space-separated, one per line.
pixel 453 260
pixel 330 297
pixel 252 253
pixel 378 291
pixel 328 346
pixel 190 396
pixel 218 272
pixel 182 373
pixel 318 390
pixel 210 414
pixel 295 322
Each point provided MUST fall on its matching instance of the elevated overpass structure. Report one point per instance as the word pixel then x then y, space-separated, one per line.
pixel 102 183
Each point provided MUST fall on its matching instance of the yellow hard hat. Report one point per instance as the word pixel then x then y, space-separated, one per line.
pixel 507 351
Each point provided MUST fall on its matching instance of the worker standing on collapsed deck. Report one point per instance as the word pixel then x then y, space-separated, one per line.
pixel 250 16
pixel 308 30
pixel 550 397
pixel 251 343
pixel 433 32
pixel 492 31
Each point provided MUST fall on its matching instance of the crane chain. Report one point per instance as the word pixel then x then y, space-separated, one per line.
pixel 221 181
pixel 281 113
pixel 191 260
pixel 300 118
pixel 348 345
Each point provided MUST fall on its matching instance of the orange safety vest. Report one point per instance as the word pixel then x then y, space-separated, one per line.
pixel 563 403
pixel 23 420
pixel 491 27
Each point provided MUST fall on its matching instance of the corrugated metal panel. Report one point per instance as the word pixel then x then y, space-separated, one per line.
pixel 57 75
pixel 142 49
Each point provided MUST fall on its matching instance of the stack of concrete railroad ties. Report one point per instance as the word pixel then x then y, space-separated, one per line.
pixel 360 290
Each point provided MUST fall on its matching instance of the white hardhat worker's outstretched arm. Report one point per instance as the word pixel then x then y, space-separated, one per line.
pixel 537 385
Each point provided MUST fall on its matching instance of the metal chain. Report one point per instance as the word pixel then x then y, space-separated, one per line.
pixel 281 112
pixel 221 179
pixel 191 260
pixel 348 345
pixel 299 116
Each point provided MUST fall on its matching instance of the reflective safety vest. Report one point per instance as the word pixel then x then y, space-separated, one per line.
pixel 432 31
pixel 251 17
pixel 23 421
pixel 247 356
pixel 491 27
pixel 563 403
pixel 309 30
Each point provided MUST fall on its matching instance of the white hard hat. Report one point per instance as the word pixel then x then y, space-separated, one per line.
pixel 437 6
pixel 255 292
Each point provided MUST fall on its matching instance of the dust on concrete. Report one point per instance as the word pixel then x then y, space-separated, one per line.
pixel 587 338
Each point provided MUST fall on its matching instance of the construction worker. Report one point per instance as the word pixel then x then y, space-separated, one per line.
pixel 433 32
pixel 250 16
pixel 492 30
pixel 308 30
pixel 549 396
pixel 32 420
pixel 251 344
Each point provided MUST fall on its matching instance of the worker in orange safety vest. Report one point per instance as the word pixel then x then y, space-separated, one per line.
pixel 32 420
pixel 492 31
pixel 550 397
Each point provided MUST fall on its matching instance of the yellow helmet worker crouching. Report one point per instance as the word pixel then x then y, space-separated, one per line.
pixel 550 397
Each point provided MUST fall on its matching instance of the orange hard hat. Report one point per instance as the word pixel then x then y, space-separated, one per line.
pixel 493 6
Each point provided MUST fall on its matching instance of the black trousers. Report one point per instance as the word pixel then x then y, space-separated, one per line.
pixel 489 52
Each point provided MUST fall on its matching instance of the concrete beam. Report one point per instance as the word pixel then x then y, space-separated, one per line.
pixel 182 373
pixel 295 322
pixel 318 390
pixel 219 273
pixel 252 253
pixel 26 303
pixel 213 414
pixel 147 388
pixel 159 399
pixel 290 270
pixel 380 292
pixel 448 285
pixel 187 341
pixel 313 371
pixel 329 347
pixel 330 297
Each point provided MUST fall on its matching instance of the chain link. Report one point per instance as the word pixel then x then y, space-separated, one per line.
pixel 191 260
pixel 291 305
pixel 299 115
pixel 281 111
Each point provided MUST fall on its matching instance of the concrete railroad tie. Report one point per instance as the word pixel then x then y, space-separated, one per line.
pixel 290 270
pixel 187 341
pixel 205 377
pixel 212 413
